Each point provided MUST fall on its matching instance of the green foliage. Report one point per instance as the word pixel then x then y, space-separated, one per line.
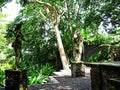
pixel 94 57
pixel 101 56
pixel 2 34
pixel 103 9
pixel 37 79
pixel 39 46
pixel 2 3
pixel 22 2
pixel 2 78
pixel 100 39
pixel 4 65
pixel 47 70
pixel 37 74
pixel 92 20
pixel 40 42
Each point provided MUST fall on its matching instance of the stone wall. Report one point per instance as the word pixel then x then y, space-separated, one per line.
pixel 101 73
pixel 108 72
pixel 92 49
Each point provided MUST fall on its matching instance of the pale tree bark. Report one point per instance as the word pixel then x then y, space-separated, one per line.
pixel 54 18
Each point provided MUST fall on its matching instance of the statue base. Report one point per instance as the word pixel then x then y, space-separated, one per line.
pixel 77 69
pixel 16 80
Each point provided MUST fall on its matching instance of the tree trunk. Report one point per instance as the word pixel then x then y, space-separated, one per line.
pixel 64 60
pixel 54 18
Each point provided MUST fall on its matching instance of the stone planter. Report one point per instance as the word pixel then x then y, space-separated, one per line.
pixel 16 80
pixel 77 69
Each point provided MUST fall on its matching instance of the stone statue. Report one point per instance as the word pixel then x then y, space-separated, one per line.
pixel 77 66
pixel 17 44
pixel 77 46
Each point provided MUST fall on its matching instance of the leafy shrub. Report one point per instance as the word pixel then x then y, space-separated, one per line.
pixel 47 70
pixel 3 67
pixel 94 57
pixel 2 78
pixel 37 78
pixel 100 39
pixel 37 74
pixel 102 56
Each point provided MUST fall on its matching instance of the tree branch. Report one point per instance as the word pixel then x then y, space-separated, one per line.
pixel 53 17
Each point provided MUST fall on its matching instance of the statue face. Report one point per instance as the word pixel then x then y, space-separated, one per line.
pixel 77 35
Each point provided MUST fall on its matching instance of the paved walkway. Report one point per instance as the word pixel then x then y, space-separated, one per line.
pixel 63 81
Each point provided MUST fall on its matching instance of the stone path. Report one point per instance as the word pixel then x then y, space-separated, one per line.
pixel 63 81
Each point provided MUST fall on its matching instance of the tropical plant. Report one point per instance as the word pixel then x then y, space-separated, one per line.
pixel 3 66
pixel 37 74
pixel 2 78
pixel 94 57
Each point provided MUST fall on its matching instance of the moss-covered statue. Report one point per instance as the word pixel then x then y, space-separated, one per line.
pixel 16 78
pixel 77 66
pixel 17 43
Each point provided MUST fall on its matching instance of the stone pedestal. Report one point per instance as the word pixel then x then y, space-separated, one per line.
pixel 16 80
pixel 77 69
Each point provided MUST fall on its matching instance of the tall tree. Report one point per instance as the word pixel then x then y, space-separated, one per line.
pixel 85 15
pixel 55 18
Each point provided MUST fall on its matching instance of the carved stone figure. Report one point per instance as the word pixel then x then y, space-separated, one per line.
pixel 17 44
pixel 77 46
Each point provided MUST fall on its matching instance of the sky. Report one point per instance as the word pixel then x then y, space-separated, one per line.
pixel 11 9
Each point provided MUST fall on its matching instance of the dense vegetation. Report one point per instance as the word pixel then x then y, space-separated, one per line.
pixel 40 51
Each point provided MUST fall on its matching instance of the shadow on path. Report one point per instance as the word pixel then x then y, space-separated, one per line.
pixel 65 83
